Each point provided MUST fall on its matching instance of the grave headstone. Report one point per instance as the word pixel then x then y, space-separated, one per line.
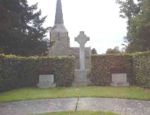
pixel 46 81
pixel 119 79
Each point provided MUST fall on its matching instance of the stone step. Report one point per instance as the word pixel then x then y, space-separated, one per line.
pixel 120 84
pixel 81 78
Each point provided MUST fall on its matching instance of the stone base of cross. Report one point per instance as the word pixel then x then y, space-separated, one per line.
pixel 81 78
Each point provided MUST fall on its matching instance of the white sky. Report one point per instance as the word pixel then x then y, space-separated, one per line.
pixel 98 18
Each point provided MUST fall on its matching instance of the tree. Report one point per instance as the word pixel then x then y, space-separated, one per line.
pixel 140 29
pixel 94 52
pixel 128 9
pixel 115 50
pixel 138 24
pixel 21 30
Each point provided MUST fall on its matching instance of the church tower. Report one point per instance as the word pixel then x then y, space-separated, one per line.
pixel 59 39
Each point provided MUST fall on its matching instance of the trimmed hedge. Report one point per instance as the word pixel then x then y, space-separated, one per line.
pixel 137 67
pixel 104 65
pixel 141 68
pixel 16 72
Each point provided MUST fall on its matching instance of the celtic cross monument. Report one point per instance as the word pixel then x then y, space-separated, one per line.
pixel 81 74
pixel 82 39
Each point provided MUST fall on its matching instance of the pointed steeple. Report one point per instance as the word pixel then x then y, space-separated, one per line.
pixel 59 13
pixel 59 22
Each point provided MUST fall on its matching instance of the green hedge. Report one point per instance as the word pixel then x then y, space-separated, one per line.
pixel 16 72
pixel 104 65
pixel 141 68
pixel 137 67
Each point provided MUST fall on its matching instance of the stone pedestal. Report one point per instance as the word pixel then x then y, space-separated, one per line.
pixel 46 81
pixel 119 79
pixel 81 78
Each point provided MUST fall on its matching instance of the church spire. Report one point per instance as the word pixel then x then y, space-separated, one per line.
pixel 59 13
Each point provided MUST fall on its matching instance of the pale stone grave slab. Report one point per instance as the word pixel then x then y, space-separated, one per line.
pixel 119 79
pixel 46 81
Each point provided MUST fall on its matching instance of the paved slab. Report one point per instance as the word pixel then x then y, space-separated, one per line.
pixel 121 106
pixel 37 106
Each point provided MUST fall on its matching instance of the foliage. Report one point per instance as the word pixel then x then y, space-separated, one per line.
pixel 75 92
pixel 138 16
pixel 94 51
pixel 113 51
pixel 128 9
pixel 16 72
pixel 21 30
pixel 104 65
pixel 141 66
pixel 136 65
pixel 140 29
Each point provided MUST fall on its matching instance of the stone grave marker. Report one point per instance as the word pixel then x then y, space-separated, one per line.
pixel 81 74
pixel 46 81
pixel 119 79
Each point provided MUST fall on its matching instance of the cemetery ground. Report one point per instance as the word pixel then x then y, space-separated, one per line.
pixel 91 100
pixel 135 93
pixel 80 113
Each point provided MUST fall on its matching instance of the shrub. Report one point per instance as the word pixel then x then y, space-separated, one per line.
pixel 16 72
pixel 104 65
pixel 137 67
pixel 141 68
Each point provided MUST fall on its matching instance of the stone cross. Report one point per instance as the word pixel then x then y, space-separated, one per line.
pixel 82 39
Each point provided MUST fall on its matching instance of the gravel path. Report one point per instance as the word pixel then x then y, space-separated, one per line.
pixel 121 106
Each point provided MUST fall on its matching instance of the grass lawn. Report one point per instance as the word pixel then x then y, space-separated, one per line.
pixel 80 113
pixel 108 92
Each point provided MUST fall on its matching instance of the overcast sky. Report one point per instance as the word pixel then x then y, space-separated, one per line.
pixel 98 18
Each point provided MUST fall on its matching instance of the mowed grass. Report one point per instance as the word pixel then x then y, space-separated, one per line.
pixel 80 113
pixel 103 92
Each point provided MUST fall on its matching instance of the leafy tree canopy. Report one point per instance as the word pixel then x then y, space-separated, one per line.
pixel 115 50
pixel 138 15
pixel 94 51
pixel 21 30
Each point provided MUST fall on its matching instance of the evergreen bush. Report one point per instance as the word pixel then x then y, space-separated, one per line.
pixel 104 65
pixel 141 68
pixel 16 72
